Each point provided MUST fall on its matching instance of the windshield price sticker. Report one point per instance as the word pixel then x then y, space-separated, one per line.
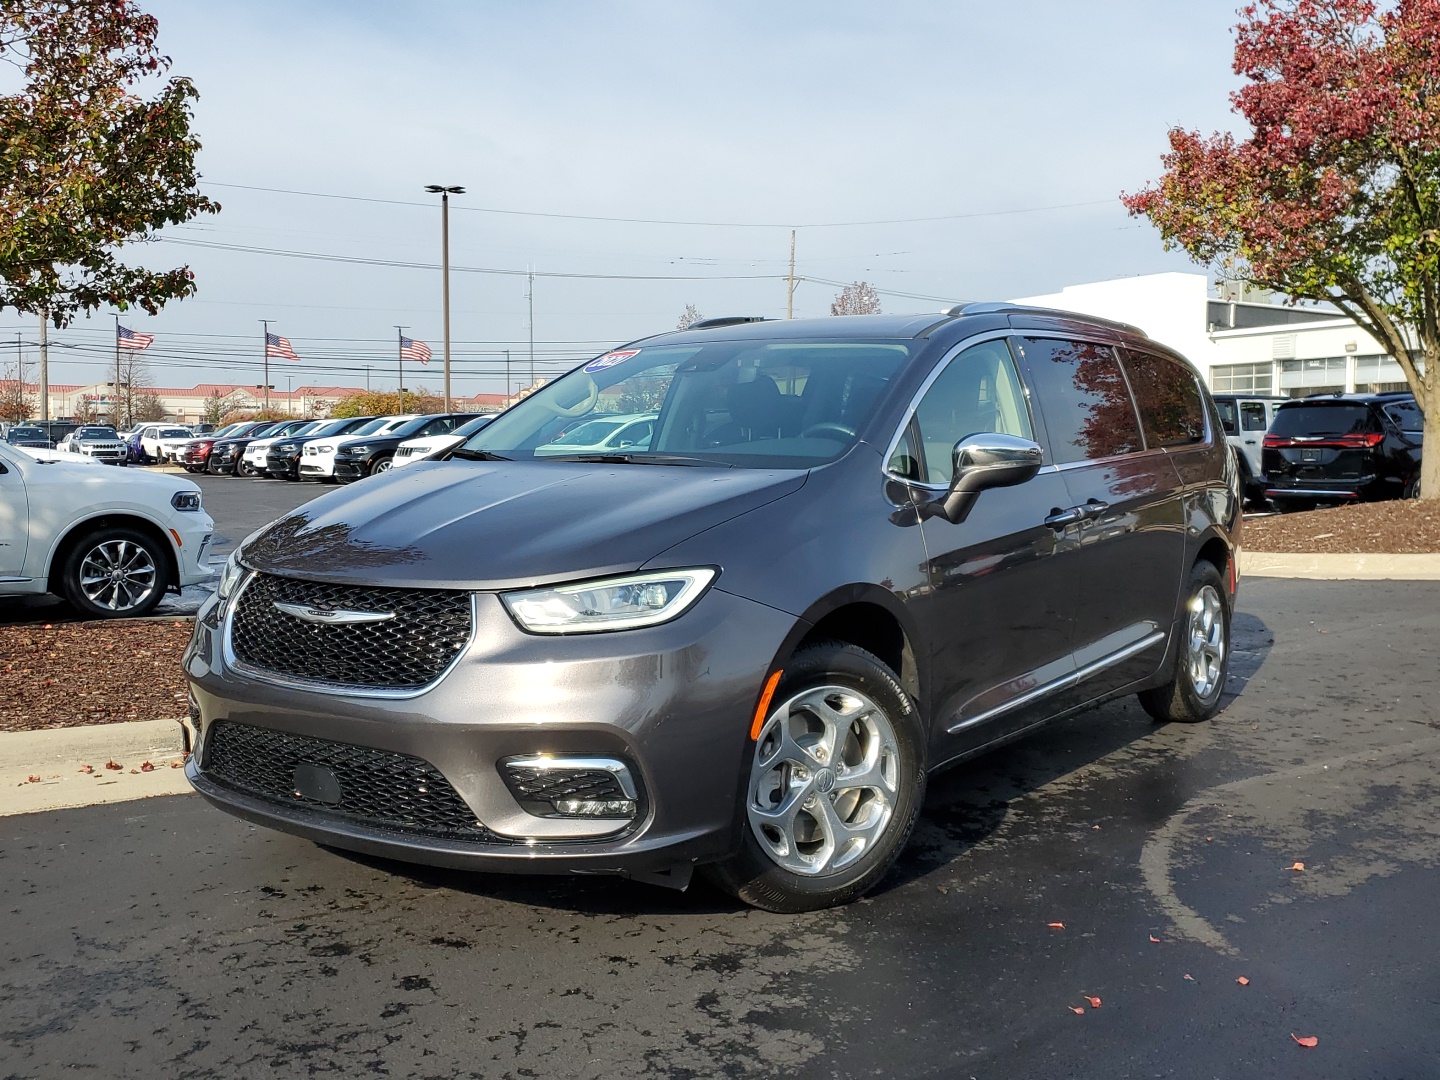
pixel 610 359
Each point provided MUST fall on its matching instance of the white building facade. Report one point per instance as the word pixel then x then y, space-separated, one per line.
pixel 1241 346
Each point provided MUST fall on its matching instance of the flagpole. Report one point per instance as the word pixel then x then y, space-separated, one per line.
pixel 115 401
pixel 400 365
pixel 265 356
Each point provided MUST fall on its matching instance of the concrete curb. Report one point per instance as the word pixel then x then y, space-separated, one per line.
pixel 1326 567
pixel 58 755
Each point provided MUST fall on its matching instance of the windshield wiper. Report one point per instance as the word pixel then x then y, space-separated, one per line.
pixel 477 455
pixel 639 459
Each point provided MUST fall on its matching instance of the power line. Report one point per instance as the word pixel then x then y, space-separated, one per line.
pixel 667 221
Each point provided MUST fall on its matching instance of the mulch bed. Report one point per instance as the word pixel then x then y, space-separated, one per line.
pixel 1399 527
pixel 68 674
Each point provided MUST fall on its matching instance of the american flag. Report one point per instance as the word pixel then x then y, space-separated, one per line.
pixel 410 349
pixel 126 338
pixel 275 345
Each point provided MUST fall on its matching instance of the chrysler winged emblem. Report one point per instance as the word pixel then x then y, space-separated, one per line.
pixel 332 616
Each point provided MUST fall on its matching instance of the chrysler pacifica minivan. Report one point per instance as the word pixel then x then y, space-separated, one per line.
pixel 853 551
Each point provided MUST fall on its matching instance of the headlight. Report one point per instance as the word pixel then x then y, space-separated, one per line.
pixel 287 448
pixel 325 449
pixel 230 576
pixel 611 604
pixel 185 500
pixel 355 451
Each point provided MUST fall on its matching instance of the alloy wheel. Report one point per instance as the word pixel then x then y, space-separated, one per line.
pixel 824 781
pixel 1205 645
pixel 118 575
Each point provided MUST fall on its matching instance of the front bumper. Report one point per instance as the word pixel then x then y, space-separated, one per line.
pixel 193 531
pixel 672 701
pixel 282 465
pixel 222 461
pixel 347 469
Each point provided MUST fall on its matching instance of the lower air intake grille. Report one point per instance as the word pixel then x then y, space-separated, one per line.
pixel 357 784
pixel 421 633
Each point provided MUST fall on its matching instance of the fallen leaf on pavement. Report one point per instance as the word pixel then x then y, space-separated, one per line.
pixel 147 767
pixel 942 888
pixel 114 766
pixel 87 768
pixel 1077 1010
pixel 1243 981
pixel 32 779
pixel 1308 1040
pixel 1056 925
pixel 1094 1001
pixel 1297 866
pixel 177 764
pixel 1155 939
pixel 1189 978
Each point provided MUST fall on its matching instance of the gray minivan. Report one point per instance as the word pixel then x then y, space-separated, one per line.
pixel 854 551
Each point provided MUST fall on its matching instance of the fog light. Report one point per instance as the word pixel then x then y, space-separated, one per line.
pixel 595 807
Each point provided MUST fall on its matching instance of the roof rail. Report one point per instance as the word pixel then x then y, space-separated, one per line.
pixel 726 320
pixel 1003 308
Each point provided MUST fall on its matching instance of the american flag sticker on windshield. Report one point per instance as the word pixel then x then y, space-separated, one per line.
pixel 610 359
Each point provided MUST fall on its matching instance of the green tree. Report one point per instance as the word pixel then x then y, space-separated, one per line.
pixel 386 403
pixel 88 163
pixel 1334 193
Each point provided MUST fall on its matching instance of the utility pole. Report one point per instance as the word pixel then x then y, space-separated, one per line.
pixel 265 350
pixel 44 367
pixel 367 377
pixel 530 299
pixel 445 192
pixel 400 367
pixel 790 283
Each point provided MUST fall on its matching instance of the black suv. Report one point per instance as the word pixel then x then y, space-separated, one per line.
pixel 376 453
pixel 852 552
pixel 227 455
pixel 1343 448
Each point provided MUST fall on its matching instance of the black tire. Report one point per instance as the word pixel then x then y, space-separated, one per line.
pixel 242 468
pixel 1181 699
pixel 384 463
pixel 99 549
pixel 1412 489
pixel 752 874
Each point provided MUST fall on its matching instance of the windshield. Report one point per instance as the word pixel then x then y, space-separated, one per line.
pixel 405 425
pixel 174 433
pixel 26 433
pixel 96 433
pixel 752 404
pixel 370 426
pixel 1406 415
pixel 470 427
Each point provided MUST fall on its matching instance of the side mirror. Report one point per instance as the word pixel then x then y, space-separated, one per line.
pixel 986 460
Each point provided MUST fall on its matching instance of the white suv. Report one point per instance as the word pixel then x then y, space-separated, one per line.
pixel 112 543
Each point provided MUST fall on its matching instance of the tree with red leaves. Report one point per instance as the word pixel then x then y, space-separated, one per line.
pixel 1335 194
pixel 87 161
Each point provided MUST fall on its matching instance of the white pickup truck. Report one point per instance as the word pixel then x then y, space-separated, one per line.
pixel 111 542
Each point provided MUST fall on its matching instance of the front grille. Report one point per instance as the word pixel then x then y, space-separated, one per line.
pixel 429 629
pixel 378 788
pixel 404 451
pixel 547 785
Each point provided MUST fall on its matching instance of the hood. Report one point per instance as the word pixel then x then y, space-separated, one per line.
pixel 58 463
pixel 504 524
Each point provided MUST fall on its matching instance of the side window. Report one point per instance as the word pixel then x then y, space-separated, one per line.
pixel 977 392
pixel 1171 410
pixel 1084 399
pixel 1252 416
pixel 1227 416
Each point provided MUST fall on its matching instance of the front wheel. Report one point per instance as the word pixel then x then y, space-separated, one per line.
pixel 385 464
pixel 834 788
pixel 1203 657
pixel 114 573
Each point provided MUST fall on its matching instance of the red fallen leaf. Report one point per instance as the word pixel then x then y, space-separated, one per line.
pixel 32 779
pixel 147 767
pixel 1077 1010
pixel 177 764
pixel 87 768
pixel 1243 981
pixel 1094 1001
pixel 115 766
pixel 1155 939
pixel 1297 866
pixel 1308 1040
pixel 1056 925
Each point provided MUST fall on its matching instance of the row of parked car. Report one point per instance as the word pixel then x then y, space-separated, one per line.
pixel 1299 453
pixel 331 451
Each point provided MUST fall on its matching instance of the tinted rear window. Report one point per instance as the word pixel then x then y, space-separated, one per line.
pixel 1171 411
pixel 1083 398
pixel 1293 420
pixel 1407 415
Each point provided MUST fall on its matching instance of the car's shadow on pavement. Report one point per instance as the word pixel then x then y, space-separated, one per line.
pixel 965 806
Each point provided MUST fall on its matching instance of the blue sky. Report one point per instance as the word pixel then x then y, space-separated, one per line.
pixel 772 114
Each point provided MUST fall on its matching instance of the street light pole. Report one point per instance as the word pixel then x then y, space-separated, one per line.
pixel 445 193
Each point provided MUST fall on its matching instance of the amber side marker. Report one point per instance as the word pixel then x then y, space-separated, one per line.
pixel 178 541
pixel 764 706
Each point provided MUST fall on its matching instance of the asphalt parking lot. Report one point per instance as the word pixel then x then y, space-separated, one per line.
pixel 164 938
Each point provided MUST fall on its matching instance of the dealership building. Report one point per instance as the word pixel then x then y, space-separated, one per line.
pixel 1242 342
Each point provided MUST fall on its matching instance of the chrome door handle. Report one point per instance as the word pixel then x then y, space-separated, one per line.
pixel 1093 509
pixel 1061 519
